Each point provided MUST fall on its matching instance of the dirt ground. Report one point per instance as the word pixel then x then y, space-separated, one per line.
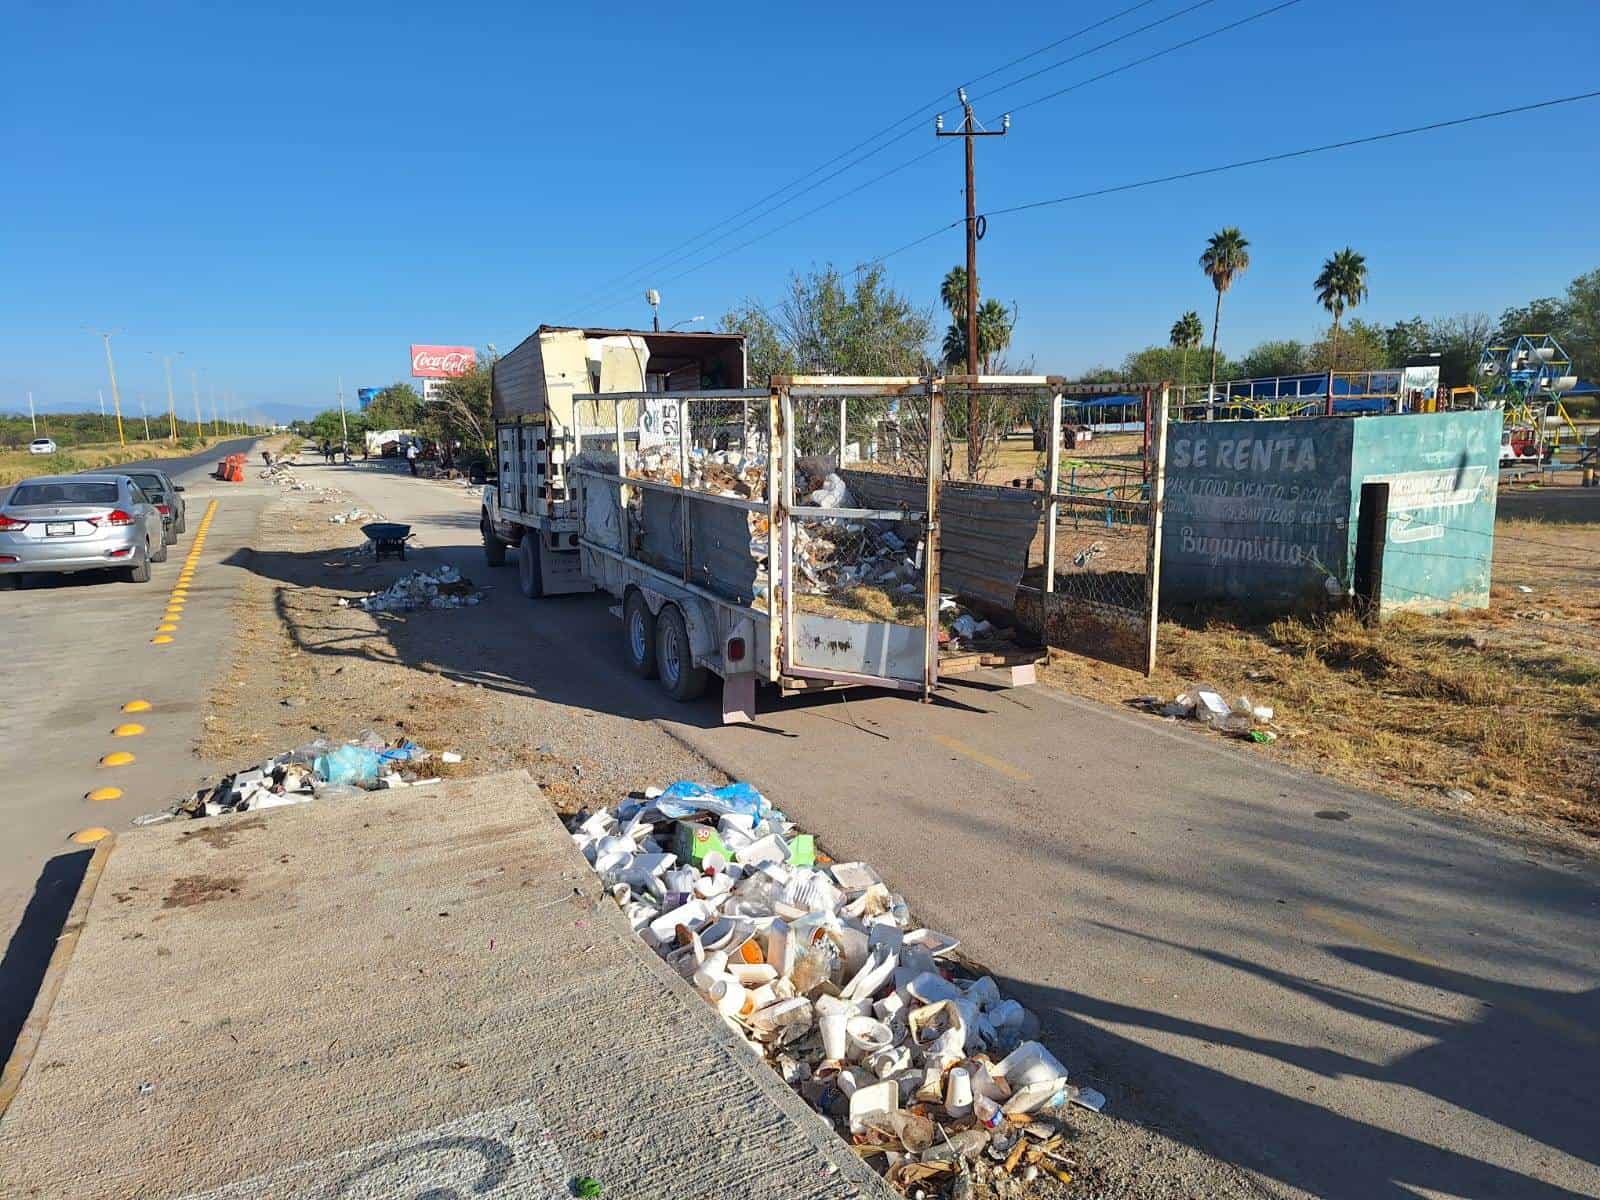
pixel 1493 713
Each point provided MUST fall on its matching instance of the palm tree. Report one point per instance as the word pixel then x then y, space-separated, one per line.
pixel 995 326
pixel 953 294
pixel 1187 331
pixel 1227 256
pixel 1342 285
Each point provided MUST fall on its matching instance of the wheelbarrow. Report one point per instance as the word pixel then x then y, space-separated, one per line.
pixel 388 538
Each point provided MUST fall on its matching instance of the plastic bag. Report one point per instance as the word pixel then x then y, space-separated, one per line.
pixel 685 798
pixel 348 764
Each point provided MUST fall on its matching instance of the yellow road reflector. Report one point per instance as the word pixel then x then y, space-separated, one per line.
pixel 161 639
pixel 128 730
pixel 117 758
pixel 172 615
pixel 169 627
pixel 105 793
pixel 91 835
pixel 136 706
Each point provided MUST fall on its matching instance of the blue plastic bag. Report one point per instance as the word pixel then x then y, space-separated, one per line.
pixel 348 764
pixel 685 798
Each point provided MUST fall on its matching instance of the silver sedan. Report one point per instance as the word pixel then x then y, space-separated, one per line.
pixel 63 523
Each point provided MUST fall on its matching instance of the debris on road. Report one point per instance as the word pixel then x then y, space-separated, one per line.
pixel 443 587
pixel 318 770
pixel 350 516
pixel 1207 706
pixel 932 1074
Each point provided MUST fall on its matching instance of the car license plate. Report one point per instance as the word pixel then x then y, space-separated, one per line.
pixel 59 529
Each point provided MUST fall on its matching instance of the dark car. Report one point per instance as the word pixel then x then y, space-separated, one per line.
pixel 168 499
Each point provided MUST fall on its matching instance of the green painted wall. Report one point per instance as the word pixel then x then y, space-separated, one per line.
pixel 1443 470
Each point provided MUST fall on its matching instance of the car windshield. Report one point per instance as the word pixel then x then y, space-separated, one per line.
pixel 149 483
pixel 64 492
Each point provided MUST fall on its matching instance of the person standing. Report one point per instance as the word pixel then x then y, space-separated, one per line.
pixel 411 456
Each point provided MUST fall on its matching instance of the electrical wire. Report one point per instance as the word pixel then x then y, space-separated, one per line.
pixel 672 257
pixel 917 114
pixel 1292 154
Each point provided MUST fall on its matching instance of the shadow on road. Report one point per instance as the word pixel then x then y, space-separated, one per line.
pixel 34 941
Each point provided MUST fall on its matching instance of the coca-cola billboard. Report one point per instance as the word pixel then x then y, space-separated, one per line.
pixel 441 362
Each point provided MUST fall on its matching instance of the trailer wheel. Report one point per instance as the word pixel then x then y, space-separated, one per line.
pixel 681 679
pixel 639 636
pixel 529 576
pixel 494 550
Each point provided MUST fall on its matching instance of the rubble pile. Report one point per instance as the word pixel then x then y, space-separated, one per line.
pixel 933 1075
pixel 281 472
pixel 1207 706
pixel 352 515
pixel 444 587
pixel 319 770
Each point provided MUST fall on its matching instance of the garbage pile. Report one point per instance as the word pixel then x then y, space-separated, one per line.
pixel 1207 706
pixel 444 587
pixel 281 472
pixel 352 515
pixel 318 770
pixel 932 1074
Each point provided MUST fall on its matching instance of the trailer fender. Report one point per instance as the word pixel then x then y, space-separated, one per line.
pixel 698 616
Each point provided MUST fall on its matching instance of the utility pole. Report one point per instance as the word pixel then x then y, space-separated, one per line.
pixel 343 424
pixel 969 130
pixel 116 396
pixel 32 420
pixel 172 407
pixel 212 389
pixel 103 428
pixel 194 387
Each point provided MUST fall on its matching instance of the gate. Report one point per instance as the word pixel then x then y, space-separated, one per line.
pixel 860 600
pixel 1096 588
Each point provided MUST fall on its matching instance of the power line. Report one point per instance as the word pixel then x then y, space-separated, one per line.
pixel 915 114
pixel 672 256
pixel 1290 154
pixel 1173 49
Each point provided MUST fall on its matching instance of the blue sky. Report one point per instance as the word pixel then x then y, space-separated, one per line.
pixel 292 192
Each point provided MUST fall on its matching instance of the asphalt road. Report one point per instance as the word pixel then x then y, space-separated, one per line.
pixel 1341 994
pixel 78 648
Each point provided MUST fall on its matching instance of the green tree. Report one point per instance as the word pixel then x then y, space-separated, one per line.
pixel 1186 334
pixel 995 326
pixel 1460 341
pixel 1363 346
pixel 1341 285
pixel 764 350
pixel 1267 359
pixel 827 326
pixel 397 406
pixel 1405 339
pixel 953 294
pixel 1226 257
pixel 460 412
pixel 1583 324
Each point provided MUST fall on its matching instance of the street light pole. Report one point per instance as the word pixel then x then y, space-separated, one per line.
pixel 344 425
pixel 194 387
pixel 211 388
pixel 172 406
pixel 102 394
pixel 145 416
pixel 32 420
pixel 116 396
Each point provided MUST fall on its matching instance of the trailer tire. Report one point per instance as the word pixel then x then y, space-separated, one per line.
pixel 530 578
pixel 494 550
pixel 680 678
pixel 639 636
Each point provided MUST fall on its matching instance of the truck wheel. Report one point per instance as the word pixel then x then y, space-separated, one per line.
pixel 529 577
pixel 140 571
pixel 161 557
pixel 681 679
pixel 639 636
pixel 494 550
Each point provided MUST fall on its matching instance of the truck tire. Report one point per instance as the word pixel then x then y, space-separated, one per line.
pixel 162 556
pixel 639 636
pixel 680 678
pixel 140 571
pixel 494 550
pixel 530 578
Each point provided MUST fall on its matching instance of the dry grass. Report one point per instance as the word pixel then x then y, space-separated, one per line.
pixel 1500 703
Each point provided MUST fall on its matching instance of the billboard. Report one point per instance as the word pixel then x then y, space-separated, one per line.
pixel 441 362
pixel 365 397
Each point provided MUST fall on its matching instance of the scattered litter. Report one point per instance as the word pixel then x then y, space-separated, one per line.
pixel 1241 719
pixel 319 770
pixel 1522 587
pixel 444 587
pixel 450 756
pixel 935 1077
pixel 351 516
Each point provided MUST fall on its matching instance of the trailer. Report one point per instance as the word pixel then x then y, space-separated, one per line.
pixel 735 549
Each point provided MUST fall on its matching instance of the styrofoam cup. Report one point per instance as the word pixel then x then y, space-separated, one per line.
pixel 958 1092
pixel 834 1027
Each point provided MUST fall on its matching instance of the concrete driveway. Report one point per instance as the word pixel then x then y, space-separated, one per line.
pixel 1343 995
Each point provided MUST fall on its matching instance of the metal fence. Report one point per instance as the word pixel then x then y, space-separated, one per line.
pixel 1096 583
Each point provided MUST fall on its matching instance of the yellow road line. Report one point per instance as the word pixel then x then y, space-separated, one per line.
pixel 1500 996
pixel 978 756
